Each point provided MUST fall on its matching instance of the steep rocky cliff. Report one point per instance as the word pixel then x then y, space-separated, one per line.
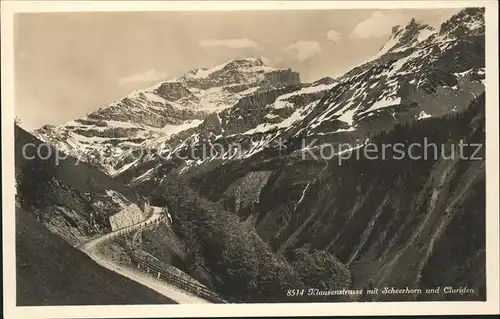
pixel 415 223
pixel 71 198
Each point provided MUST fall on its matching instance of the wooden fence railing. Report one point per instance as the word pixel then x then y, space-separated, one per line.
pixel 167 275
pixel 129 229
pixel 173 279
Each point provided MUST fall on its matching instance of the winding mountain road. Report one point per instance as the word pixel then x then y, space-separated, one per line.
pixel 91 248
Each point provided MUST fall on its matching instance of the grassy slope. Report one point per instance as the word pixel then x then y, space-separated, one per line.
pixel 51 272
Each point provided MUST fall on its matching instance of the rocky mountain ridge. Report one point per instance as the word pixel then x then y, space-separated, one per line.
pixel 162 110
pixel 393 222
pixel 419 73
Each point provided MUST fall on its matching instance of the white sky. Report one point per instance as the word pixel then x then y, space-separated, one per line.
pixel 69 64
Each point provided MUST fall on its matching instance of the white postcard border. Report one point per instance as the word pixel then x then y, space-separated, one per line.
pixel 491 306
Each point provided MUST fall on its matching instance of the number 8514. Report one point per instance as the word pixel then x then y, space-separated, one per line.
pixel 295 292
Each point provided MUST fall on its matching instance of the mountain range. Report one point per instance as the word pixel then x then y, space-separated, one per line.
pixel 420 72
pixel 248 137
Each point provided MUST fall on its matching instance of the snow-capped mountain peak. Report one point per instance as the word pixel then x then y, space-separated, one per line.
pixel 240 71
pixel 403 37
pixel 469 22
pixel 241 64
pixel 163 109
pixel 416 65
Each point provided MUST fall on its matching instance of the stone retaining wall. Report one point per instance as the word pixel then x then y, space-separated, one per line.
pixel 129 216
